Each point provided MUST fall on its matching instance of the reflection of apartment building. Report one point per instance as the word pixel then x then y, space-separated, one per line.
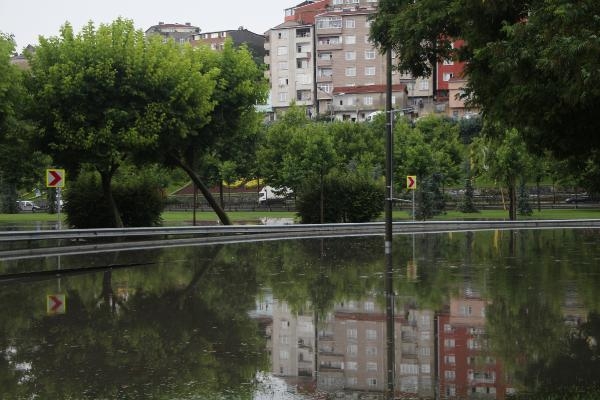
pixel 466 368
pixel 353 356
pixel 321 58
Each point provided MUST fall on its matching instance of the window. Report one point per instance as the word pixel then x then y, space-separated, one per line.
pixel 302 63
pixel 450 359
pixel 351 381
pixel 282 35
pixel 368 100
pixel 465 310
pixel 371 334
pixel 424 85
pixel 447 76
pixel 351 71
pixel 284 355
pixel 369 306
pixel 372 382
pixel 325 56
pixel 329 23
pixel 325 88
pixel 393 100
pixel 370 54
pixel 425 335
pixel 350 24
pixel 284 339
pixel 449 343
pixel 448 62
pixel 283 97
pixel 369 71
pixel 352 349
pixel 283 65
pixel 337 2
pixel 450 375
pixel 350 39
pixel 350 55
pixel 447 328
pixel 351 333
pixel 283 81
pixel 425 351
pixel 371 351
pixel 371 366
pixel 409 369
pixel 329 40
pixel 282 50
pixel 425 369
pixel 351 365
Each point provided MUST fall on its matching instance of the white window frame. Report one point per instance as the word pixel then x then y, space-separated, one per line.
pixel 351 71
pixel 350 39
pixel 370 71
pixel 350 55
pixel 350 23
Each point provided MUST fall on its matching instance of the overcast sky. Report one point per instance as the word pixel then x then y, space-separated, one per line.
pixel 26 19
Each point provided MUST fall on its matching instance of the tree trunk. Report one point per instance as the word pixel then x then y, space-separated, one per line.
pixel 512 195
pixel 108 194
pixel 203 189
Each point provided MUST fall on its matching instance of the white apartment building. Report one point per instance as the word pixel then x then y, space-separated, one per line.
pixel 332 67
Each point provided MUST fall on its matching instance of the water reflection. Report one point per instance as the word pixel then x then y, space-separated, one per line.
pixel 485 315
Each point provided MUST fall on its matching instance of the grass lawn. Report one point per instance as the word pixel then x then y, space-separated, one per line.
pixel 240 217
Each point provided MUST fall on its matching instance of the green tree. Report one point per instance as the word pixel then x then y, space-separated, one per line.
pixel 231 133
pixel 432 151
pixel 530 64
pixel 505 160
pixel 20 165
pixel 102 95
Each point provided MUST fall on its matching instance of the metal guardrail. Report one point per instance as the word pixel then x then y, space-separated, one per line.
pixel 80 241
pixel 339 229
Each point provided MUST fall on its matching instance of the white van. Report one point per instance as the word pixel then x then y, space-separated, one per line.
pixel 270 194
pixel 26 205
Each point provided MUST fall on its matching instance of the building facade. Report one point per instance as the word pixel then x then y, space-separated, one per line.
pixel 321 57
pixel 216 41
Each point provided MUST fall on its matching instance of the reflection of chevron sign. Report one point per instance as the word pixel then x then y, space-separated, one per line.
pixel 411 182
pixel 55 178
pixel 55 304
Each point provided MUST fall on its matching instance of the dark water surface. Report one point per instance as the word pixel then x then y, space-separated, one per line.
pixel 477 315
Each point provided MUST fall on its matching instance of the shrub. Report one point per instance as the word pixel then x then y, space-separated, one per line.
pixel 140 202
pixel 345 199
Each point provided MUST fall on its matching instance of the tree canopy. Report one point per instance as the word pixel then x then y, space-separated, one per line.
pixel 103 94
pixel 531 65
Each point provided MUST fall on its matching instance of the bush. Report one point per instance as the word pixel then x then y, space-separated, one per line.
pixel 140 202
pixel 345 199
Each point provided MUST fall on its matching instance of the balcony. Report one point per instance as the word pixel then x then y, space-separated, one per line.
pixel 329 45
pixel 324 78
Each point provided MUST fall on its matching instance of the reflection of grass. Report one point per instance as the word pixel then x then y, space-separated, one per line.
pixel 179 217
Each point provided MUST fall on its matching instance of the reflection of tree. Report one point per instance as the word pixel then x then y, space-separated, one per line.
pixel 191 338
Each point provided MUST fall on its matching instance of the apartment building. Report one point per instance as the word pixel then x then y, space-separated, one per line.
pixel 321 57
pixel 180 33
pixel 216 41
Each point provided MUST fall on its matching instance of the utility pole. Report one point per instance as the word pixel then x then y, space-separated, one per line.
pixel 389 287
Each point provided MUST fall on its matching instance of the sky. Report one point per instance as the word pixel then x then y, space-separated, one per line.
pixel 27 19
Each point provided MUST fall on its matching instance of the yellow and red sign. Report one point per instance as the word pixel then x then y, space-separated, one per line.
pixel 56 304
pixel 55 178
pixel 411 182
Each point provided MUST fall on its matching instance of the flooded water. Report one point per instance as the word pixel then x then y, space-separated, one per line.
pixel 477 315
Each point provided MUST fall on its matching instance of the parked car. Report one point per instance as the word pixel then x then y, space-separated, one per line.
pixel 26 205
pixel 583 198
